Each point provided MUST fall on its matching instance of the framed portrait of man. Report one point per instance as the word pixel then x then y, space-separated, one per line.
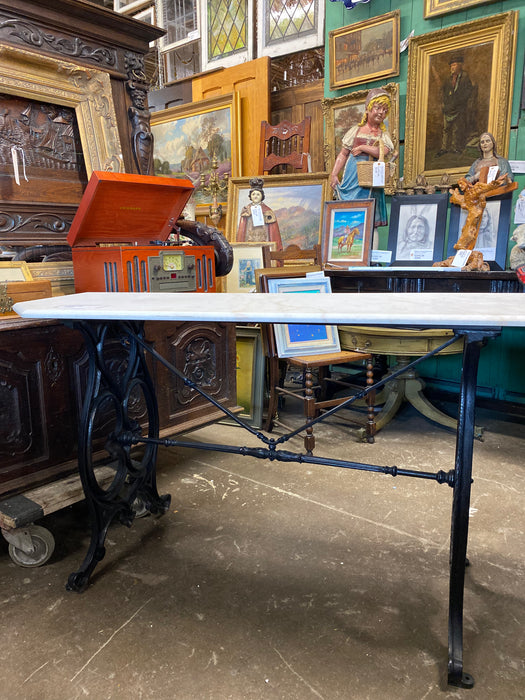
pixel 459 85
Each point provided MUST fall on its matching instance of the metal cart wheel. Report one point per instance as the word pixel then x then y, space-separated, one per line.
pixel 40 549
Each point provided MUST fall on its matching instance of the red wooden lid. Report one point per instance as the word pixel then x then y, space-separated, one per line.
pixel 121 207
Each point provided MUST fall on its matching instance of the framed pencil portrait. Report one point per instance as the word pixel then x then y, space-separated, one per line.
pixel 459 85
pixel 341 113
pixel 364 51
pixel 493 234
pixel 294 339
pixel 347 232
pixel 416 235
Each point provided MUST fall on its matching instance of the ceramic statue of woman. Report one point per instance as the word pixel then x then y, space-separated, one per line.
pixel 361 142
pixel 488 158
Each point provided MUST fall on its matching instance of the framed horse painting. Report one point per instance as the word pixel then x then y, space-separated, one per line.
pixel 347 233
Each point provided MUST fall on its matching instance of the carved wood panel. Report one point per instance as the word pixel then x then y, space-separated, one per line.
pixel 43 374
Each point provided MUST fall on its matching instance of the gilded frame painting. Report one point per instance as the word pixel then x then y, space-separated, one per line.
pixel 341 113
pixel 444 122
pixel 296 200
pixel 190 139
pixel 364 51
pixel 434 8
pixel 86 90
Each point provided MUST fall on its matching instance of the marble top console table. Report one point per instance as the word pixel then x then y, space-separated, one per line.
pixel 474 318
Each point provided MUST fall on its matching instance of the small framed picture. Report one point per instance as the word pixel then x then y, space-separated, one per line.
pixel 347 232
pixel 416 235
pixel 293 339
pixel 247 258
pixel 493 234
pixel 250 369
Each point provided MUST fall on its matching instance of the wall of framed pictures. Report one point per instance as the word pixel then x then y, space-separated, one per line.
pixel 464 27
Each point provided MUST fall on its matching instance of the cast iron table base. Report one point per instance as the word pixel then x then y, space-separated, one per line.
pixel 114 391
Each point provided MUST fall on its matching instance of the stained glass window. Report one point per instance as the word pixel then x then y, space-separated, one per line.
pixel 228 31
pixel 289 25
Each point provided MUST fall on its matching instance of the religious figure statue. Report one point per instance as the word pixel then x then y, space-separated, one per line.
pixel 361 142
pixel 257 221
pixel 473 198
pixel 488 159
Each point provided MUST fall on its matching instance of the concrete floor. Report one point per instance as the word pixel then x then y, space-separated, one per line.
pixel 282 581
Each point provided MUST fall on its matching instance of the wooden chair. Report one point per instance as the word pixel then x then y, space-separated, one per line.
pixel 313 397
pixel 285 145
pixel 292 255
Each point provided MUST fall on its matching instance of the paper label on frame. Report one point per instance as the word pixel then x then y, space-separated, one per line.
pixel 378 174
pixel 384 256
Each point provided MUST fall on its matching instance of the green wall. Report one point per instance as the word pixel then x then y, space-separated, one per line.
pixel 501 372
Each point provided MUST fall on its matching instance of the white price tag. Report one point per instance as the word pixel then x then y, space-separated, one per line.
pixel 461 258
pixel 493 173
pixel 378 176
pixel 381 256
pixel 257 215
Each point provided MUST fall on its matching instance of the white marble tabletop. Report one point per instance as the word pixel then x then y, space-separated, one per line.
pixel 432 310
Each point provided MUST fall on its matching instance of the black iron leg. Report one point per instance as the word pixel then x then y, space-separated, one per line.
pixel 119 397
pixel 460 509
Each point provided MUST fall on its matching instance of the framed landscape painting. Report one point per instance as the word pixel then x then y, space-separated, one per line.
pixel 459 86
pixel 189 140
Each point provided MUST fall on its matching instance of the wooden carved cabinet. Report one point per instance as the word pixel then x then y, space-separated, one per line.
pixel 73 96
pixel 43 373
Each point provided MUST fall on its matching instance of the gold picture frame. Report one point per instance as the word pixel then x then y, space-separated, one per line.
pixel 86 90
pixel 340 113
pixel 487 49
pixel 296 199
pixel 434 8
pixel 15 271
pixel 173 130
pixel 364 51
